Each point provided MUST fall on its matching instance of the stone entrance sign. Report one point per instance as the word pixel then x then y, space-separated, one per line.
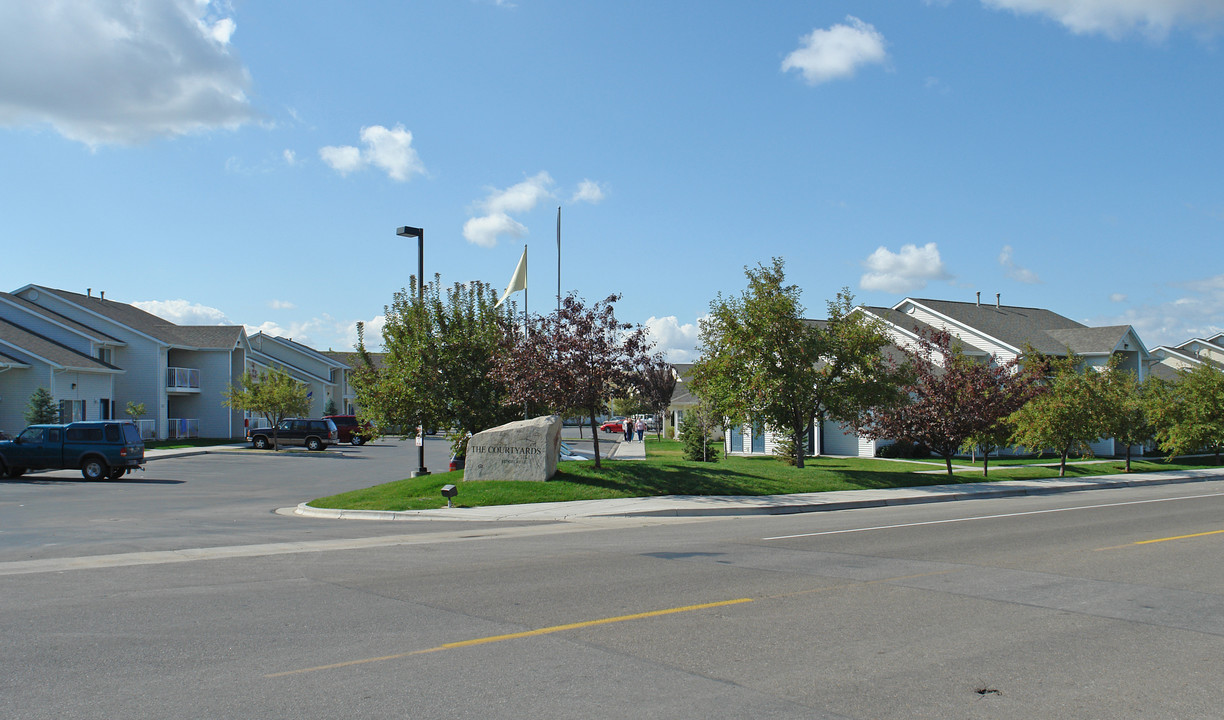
pixel 522 450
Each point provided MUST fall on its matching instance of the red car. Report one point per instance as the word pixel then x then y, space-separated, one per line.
pixel 613 426
pixel 349 429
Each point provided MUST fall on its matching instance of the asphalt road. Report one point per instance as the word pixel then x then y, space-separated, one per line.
pixel 1105 604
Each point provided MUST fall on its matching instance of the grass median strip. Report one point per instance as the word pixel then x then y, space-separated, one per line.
pixel 665 472
pixel 516 636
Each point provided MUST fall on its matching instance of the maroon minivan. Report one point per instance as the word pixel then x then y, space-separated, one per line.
pixel 349 429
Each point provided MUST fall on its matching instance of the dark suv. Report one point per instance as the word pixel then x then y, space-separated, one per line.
pixel 350 430
pixel 100 449
pixel 314 434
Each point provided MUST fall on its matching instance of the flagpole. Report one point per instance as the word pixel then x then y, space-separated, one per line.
pixel 525 320
pixel 558 259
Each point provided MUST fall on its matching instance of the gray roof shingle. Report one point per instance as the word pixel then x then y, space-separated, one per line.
pixel 1044 330
pixel 37 345
pixel 198 337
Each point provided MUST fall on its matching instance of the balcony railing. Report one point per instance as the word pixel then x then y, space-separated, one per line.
pixel 182 428
pixel 148 429
pixel 183 379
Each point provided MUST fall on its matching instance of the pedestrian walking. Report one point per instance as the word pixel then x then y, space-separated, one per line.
pixel 640 426
pixel 628 429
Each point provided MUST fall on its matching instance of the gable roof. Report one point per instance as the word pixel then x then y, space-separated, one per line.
pixel 1017 327
pixel 194 337
pixel 306 350
pixel 47 350
pixel 58 319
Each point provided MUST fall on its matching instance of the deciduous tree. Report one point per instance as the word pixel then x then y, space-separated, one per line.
pixel 657 384
pixel 761 360
pixel 1126 416
pixel 272 393
pixel 952 398
pixel 1188 413
pixel 436 371
pixel 1070 412
pixel 574 358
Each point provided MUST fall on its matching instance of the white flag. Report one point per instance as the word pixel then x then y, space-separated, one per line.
pixel 519 281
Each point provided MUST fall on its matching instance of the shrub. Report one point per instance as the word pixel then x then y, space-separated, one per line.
pixel 903 449
pixel 697 443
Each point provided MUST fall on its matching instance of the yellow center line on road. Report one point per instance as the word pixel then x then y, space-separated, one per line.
pixel 593 623
pixel 1179 537
pixel 517 635
pixel 1160 540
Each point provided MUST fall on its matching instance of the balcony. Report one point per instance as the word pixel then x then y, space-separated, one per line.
pixel 183 381
pixel 182 428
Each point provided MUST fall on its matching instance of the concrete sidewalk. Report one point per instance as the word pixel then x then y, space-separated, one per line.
pixel 714 506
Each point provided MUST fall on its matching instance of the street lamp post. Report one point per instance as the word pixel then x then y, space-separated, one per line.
pixel 419 234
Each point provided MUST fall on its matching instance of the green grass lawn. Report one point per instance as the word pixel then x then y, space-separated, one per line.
pixel 664 472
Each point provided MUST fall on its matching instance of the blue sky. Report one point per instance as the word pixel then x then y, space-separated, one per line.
pixel 241 162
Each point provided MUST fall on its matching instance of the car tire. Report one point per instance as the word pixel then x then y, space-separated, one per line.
pixel 116 473
pixel 93 469
pixel 16 472
pixel 314 444
pixel 260 443
pixel 357 440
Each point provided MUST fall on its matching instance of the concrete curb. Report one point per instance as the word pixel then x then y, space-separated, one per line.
pixel 686 506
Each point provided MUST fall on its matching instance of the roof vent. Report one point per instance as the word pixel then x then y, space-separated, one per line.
pixel 88 292
pixel 997 300
pixel 101 294
pixel 979 298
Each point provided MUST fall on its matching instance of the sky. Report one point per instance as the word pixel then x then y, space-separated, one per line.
pixel 237 162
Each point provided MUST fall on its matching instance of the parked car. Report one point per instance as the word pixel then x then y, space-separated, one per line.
pixel 101 449
pixel 311 433
pixel 569 453
pixel 351 431
pixel 457 462
pixel 613 426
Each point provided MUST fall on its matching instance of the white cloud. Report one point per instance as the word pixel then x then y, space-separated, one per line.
pixel 1199 312
pixel 520 197
pixel 1014 271
pixel 677 342
pixel 120 72
pixel 911 269
pixel 344 159
pixel 182 312
pixel 1116 18
pixel 836 53
pixel 290 157
pixel 588 191
pixel 1117 297
pixel 281 305
pixel 390 150
pixel 484 230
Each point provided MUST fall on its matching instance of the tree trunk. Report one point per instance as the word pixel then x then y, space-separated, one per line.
pixel 985 464
pixel 595 437
pixel 797 441
pixel 1128 447
pixel 1062 465
pixel 948 461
